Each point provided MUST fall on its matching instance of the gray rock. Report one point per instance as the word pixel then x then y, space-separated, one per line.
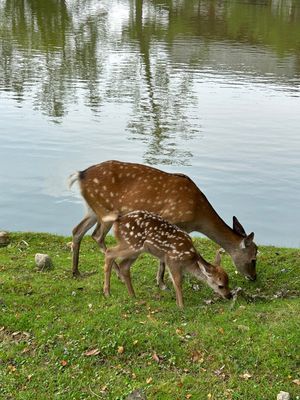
pixel 4 238
pixel 283 396
pixel 136 395
pixel 43 262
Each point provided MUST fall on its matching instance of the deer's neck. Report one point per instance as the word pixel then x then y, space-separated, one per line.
pixel 212 225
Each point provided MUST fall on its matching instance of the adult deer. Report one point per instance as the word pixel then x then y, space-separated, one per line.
pixel 120 186
pixel 144 232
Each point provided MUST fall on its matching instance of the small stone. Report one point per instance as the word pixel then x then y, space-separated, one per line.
pixel 43 262
pixel 283 396
pixel 4 238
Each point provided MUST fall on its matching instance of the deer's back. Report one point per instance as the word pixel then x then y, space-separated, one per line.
pixel 125 187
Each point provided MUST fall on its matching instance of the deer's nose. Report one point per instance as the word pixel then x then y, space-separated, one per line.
pixel 229 295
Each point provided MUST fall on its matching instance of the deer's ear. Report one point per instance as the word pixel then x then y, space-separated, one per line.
pixel 249 239
pixel 218 258
pixel 238 228
pixel 246 242
pixel 205 269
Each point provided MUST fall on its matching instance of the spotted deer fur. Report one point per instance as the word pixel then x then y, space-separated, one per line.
pixel 144 232
pixel 125 187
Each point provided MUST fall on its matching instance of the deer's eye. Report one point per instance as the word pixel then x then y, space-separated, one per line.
pixel 221 287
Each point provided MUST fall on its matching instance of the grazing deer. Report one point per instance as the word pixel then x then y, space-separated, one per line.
pixel 125 187
pixel 144 232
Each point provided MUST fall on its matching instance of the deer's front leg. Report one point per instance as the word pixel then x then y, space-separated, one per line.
pixel 176 276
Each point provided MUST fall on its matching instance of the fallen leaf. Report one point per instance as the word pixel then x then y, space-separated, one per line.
pixel 92 352
pixel 149 380
pixel 120 350
pixel 103 389
pixel 246 376
pixel 63 363
pixel 188 396
pixel 25 350
pixel 296 381
pixel 135 342
pixel 221 330
pixel 197 357
pixel 155 357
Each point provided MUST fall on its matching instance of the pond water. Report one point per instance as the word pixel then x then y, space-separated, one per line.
pixel 206 88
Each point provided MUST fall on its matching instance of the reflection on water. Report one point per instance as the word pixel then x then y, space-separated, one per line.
pixel 209 88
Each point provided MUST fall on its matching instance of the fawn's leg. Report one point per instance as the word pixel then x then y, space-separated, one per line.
pixel 176 276
pixel 110 255
pixel 99 235
pixel 125 272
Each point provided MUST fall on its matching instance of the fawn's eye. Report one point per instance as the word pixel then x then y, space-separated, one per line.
pixel 221 287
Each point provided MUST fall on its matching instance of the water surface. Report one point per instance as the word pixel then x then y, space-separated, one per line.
pixel 207 88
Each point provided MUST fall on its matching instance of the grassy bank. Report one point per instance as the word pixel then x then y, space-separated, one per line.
pixel 61 339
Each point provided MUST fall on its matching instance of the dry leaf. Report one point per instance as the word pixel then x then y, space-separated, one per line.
pixel 246 376
pixel 155 357
pixel 221 330
pixel 149 380
pixel 120 350
pixel 179 331
pixel 197 356
pixel 296 381
pixel 11 368
pixel 135 342
pixel 25 350
pixel 63 363
pixel 188 396
pixel 92 352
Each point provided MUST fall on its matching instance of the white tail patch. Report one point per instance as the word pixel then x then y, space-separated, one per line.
pixel 72 179
pixel 111 217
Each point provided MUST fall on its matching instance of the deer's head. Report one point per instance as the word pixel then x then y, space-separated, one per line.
pixel 244 256
pixel 216 277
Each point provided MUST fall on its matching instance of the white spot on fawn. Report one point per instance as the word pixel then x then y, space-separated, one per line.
pixel 96 180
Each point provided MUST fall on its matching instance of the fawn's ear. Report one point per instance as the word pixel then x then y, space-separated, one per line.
pixel 218 258
pixel 206 269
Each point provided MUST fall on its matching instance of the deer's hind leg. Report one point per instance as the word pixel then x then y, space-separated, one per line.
pixel 78 232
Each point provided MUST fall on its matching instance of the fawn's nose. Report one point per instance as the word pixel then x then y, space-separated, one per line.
pixel 229 296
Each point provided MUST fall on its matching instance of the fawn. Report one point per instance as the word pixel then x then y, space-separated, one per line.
pixel 144 232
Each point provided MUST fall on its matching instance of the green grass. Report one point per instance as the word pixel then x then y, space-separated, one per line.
pixel 48 321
